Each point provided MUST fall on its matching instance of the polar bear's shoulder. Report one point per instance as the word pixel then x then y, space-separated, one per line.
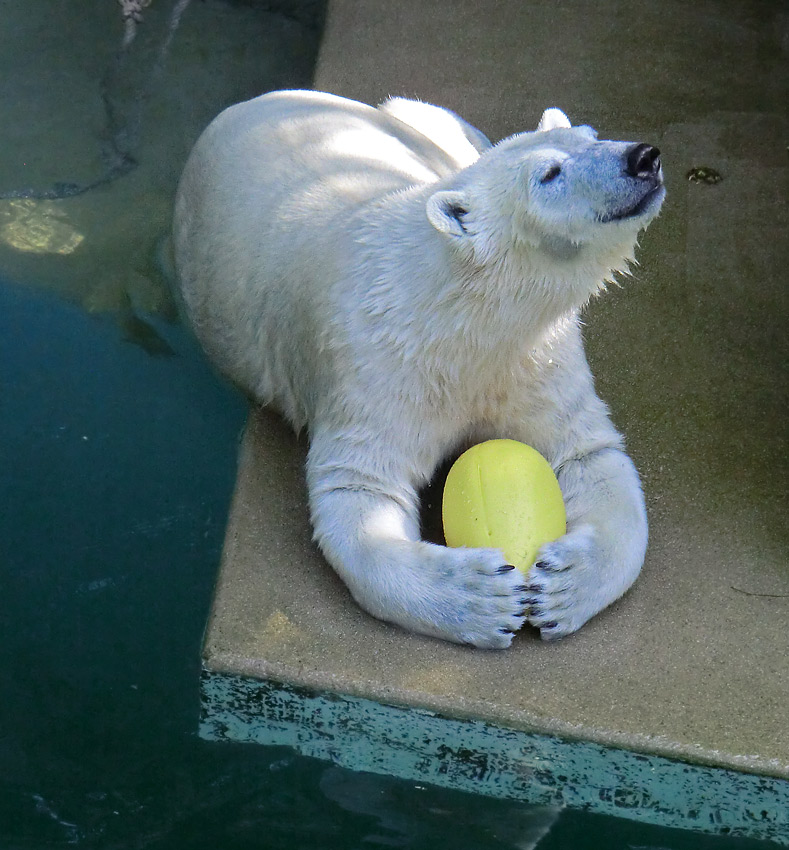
pixel 449 131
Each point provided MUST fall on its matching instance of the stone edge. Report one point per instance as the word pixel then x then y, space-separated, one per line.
pixel 217 661
pixel 475 757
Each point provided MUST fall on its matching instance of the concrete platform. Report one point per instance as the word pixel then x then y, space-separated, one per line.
pixel 691 667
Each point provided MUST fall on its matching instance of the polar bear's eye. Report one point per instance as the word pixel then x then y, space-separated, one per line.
pixel 551 174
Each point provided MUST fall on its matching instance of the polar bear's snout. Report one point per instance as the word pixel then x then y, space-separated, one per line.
pixel 643 161
pixel 642 189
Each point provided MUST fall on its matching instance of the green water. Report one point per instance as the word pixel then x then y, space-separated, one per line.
pixel 117 461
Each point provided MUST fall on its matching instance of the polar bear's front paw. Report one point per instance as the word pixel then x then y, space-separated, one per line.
pixel 462 595
pixel 566 586
pixel 484 599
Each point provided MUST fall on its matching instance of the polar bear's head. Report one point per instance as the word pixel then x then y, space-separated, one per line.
pixel 557 194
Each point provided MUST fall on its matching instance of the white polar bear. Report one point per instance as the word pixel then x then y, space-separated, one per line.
pixel 402 288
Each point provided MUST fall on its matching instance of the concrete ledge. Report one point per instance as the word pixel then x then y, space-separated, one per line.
pixel 639 678
pixel 648 677
pixel 691 665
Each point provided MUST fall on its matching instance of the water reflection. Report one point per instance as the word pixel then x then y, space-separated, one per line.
pixel 102 123
pixel 38 227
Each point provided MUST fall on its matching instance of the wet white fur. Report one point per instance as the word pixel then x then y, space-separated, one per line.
pixel 328 269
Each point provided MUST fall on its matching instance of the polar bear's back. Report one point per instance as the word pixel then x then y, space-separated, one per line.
pixel 271 186
pixel 308 154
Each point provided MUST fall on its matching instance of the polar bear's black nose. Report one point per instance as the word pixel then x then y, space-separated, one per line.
pixel 643 161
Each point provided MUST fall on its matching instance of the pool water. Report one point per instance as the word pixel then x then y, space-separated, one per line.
pixel 117 461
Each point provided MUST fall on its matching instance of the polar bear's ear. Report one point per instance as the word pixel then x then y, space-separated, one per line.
pixel 445 211
pixel 553 119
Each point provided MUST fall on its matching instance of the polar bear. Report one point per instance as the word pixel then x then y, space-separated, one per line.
pixel 392 281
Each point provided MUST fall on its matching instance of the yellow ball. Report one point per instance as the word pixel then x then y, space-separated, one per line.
pixel 503 494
